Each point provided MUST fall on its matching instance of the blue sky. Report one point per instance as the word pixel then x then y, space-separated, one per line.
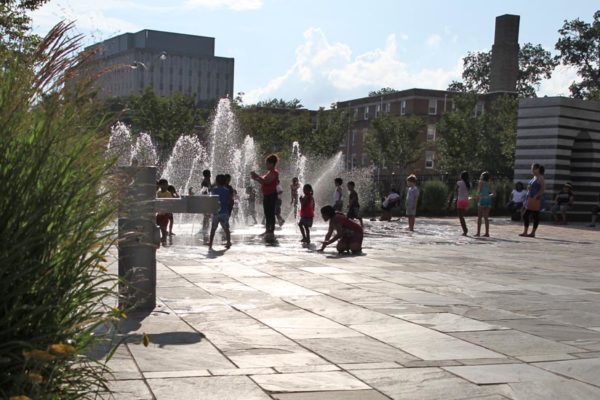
pixel 330 50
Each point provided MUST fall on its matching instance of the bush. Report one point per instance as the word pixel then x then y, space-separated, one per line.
pixel 434 197
pixel 53 213
pixel 503 189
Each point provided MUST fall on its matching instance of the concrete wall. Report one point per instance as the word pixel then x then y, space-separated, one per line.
pixel 562 134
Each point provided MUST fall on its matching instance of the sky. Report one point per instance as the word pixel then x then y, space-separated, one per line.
pixel 323 51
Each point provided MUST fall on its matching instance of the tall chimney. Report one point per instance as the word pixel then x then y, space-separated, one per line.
pixel 504 69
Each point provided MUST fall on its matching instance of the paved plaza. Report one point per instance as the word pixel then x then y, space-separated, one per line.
pixel 418 316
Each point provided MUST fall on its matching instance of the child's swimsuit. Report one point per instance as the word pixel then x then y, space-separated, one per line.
pixel 485 199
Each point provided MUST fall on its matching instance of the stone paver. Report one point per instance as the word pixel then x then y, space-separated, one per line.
pixel 424 315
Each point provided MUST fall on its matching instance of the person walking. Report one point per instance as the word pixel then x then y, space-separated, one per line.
pixel 533 205
pixel 463 186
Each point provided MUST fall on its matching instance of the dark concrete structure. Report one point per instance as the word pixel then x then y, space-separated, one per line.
pixel 168 62
pixel 562 134
pixel 504 69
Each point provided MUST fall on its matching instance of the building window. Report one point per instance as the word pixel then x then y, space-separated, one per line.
pixel 432 107
pixel 479 109
pixel 366 115
pixel 430 133
pixel 388 107
pixel 429 159
pixel 356 114
pixel 403 107
pixel 353 161
pixel 377 110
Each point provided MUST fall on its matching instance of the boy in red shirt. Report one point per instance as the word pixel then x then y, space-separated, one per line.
pixel 307 213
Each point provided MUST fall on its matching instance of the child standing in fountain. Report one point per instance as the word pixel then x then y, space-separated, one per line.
pixel 412 197
pixel 353 205
pixel 222 217
pixel 484 203
pixel 307 212
pixel 205 188
pixel 294 187
pixel 174 194
pixel 268 184
pixel 162 218
pixel 338 196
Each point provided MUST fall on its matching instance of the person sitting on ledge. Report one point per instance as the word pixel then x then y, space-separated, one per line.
pixel 391 201
pixel 517 198
pixel 563 203
pixel 348 233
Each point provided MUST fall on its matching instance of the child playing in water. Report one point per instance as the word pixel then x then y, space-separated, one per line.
pixel 162 218
pixel 307 213
pixel 174 194
pixel 353 204
pixel 251 199
pixel 348 232
pixel 463 186
pixel 278 205
pixel 484 203
pixel 205 188
pixel 412 196
pixel 222 216
pixel 338 202
pixel 294 187
pixel 268 183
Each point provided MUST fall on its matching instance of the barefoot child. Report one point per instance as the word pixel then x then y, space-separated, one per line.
pixel 484 203
pixel 412 196
pixel 348 232
pixel 307 213
pixel 175 195
pixel 338 202
pixel 462 199
pixel 222 216
pixel 353 204
pixel 294 187
pixel 162 218
pixel 268 184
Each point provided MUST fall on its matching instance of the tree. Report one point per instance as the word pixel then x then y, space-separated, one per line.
pixel 293 104
pixel 535 64
pixel 394 139
pixel 579 47
pixel 382 91
pixel 332 126
pixel 459 131
pixel 477 143
pixel 15 25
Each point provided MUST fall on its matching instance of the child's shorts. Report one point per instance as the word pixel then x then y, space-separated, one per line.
pixel 353 213
pixel 411 212
pixel 462 203
pixel 222 219
pixel 162 220
pixel 306 221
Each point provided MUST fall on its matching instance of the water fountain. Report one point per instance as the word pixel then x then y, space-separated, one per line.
pixel 226 151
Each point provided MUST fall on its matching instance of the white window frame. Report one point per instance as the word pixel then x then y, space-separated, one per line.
pixel 356 113
pixel 432 105
pixel 388 107
pixel 377 110
pixel 353 137
pixel 403 107
pixel 431 133
pixel 429 159
pixel 366 113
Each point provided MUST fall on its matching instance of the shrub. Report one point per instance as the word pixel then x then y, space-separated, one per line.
pixel 434 197
pixel 503 189
pixel 53 213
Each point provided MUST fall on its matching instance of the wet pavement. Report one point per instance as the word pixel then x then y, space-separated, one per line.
pixel 423 315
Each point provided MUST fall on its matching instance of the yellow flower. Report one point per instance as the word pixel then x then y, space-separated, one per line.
pixel 19 398
pixel 145 340
pixel 38 355
pixel 62 349
pixel 35 377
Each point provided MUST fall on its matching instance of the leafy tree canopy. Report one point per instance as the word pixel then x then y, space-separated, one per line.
pixel 579 47
pixel 382 91
pixel 535 64
pixel 293 104
pixel 15 25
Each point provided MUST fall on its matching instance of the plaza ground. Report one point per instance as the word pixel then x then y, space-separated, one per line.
pixel 424 315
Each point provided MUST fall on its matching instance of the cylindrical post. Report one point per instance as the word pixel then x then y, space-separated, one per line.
pixel 137 240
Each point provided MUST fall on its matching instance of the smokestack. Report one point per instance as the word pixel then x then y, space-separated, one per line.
pixel 504 69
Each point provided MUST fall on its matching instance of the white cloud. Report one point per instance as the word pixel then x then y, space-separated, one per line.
pixel 558 85
pixel 234 5
pixel 324 72
pixel 434 40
